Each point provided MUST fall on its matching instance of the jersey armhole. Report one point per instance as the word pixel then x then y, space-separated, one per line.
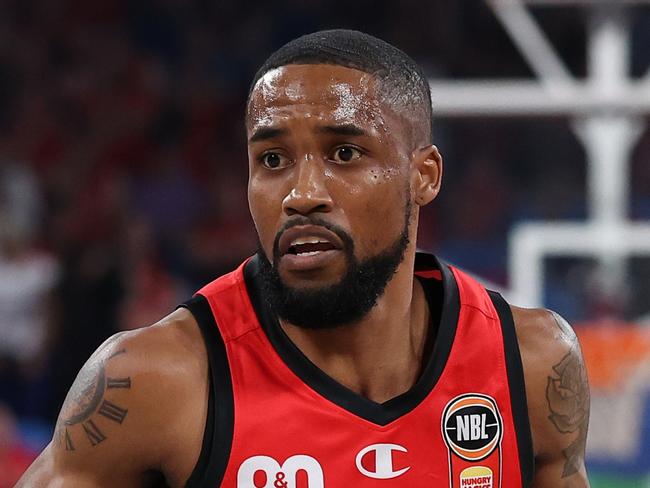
pixel 517 387
pixel 218 433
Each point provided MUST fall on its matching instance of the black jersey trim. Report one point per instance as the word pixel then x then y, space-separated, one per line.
pixel 217 436
pixel 517 386
pixel 444 303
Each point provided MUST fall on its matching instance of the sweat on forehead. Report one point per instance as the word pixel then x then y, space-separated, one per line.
pixel 336 92
pixel 400 81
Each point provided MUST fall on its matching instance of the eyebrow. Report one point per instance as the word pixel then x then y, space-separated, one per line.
pixel 343 130
pixel 266 133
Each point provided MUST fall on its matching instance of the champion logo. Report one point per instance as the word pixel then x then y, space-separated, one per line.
pixel 384 466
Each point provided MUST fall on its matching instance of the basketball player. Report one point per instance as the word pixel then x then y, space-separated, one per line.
pixel 337 356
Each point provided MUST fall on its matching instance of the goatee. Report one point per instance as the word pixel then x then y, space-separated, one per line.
pixel 342 303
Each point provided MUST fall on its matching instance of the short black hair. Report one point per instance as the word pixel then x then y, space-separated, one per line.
pixel 401 80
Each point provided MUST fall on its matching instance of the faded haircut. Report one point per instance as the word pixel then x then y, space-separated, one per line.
pixel 402 83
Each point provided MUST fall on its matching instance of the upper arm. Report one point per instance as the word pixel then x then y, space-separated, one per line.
pixel 118 421
pixel 557 391
pixel 98 435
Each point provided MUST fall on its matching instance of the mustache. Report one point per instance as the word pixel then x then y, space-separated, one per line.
pixel 346 239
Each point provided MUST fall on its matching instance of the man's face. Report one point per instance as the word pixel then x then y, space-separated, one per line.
pixel 329 165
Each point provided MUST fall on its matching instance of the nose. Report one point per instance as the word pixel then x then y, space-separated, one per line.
pixel 309 193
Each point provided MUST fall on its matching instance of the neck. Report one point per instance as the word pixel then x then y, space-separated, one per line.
pixel 380 356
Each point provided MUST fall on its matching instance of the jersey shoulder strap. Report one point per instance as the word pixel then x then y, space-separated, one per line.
pixel 218 432
pixel 517 387
pixel 476 296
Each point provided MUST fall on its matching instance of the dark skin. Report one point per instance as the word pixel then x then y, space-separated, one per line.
pixel 322 142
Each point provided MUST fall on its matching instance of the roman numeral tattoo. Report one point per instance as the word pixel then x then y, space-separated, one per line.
pixel 69 446
pixel 86 400
pixel 118 382
pixel 95 436
pixel 112 411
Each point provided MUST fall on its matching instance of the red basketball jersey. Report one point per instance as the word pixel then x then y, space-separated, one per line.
pixel 276 421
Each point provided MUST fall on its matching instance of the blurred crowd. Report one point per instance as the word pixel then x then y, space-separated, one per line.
pixel 123 166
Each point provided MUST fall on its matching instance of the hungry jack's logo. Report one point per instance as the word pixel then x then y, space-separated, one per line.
pixel 476 477
pixel 473 429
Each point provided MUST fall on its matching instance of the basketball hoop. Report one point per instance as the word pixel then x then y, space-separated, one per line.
pixel 566 3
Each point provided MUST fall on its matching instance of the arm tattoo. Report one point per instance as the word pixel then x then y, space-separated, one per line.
pixel 86 393
pixel 85 400
pixel 567 394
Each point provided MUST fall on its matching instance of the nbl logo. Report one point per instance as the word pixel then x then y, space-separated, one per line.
pixel 472 426
pixel 266 472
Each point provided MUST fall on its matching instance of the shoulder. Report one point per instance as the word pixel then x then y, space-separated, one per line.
pixel 550 350
pixel 137 405
pixel 146 364
pixel 538 325
pixel 557 389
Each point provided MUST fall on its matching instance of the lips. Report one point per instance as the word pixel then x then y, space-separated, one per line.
pixel 308 240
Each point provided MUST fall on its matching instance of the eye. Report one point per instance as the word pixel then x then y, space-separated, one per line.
pixel 273 160
pixel 345 154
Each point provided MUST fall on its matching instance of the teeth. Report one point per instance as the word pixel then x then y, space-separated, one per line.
pixel 310 253
pixel 307 240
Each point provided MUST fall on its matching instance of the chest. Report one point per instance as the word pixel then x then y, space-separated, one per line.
pixel 289 425
pixel 296 429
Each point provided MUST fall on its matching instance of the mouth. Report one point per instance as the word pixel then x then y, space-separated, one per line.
pixel 307 246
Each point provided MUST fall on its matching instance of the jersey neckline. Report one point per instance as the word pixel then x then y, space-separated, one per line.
pixel 377 413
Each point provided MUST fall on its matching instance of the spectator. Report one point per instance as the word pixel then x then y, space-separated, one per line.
pixel 27 278
pixel 14 456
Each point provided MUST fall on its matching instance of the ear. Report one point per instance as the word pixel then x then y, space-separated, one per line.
pixel 426 175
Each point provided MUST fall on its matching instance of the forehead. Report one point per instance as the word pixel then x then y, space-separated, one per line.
pixel 331 92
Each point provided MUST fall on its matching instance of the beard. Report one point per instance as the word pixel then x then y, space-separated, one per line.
pixel 342 303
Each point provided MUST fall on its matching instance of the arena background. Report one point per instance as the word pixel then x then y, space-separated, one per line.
pixel 123 177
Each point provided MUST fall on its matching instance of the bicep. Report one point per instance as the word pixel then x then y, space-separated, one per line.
pixel 102 434
pixel 558 396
